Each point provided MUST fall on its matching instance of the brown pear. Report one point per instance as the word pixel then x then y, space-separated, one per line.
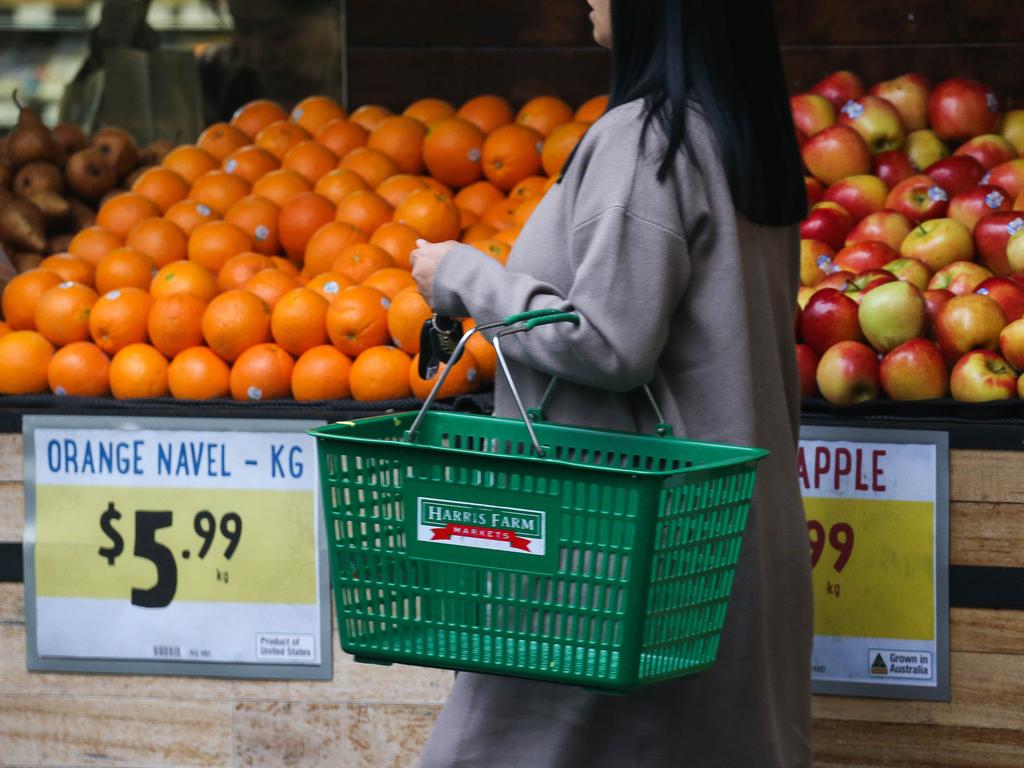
pixel 58 243
pixel 70 137
pixel 89 174
pixel 38 177
pixel 155 152
pixel 6 176
pixel 23 225
pixel 25 261
pixel 82 215
pixel 54 207
pixel 30 140
pixel 118 147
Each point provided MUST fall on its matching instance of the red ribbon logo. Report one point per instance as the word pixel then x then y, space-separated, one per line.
pixel 479 532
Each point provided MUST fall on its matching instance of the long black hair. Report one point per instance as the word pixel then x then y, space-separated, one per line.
pixel 722 56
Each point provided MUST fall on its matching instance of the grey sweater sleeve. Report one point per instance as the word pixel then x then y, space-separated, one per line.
pixel 629 277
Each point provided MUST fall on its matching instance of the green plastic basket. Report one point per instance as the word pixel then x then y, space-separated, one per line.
pixel 605 563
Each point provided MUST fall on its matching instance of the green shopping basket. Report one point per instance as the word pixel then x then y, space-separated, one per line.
pixel 597 558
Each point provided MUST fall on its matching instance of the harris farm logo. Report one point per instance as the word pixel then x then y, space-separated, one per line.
pixel 481 526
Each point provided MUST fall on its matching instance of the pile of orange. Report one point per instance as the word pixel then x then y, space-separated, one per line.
pixel 270 259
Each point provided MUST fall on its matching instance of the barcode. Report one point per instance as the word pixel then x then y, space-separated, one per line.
pixel 167 650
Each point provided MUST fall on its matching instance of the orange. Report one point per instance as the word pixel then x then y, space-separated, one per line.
pixel 175 322
pixel 300 219
pixel 478 197
pixel 235 321
pixel 369 116
pixel 406 315
pixel 531 186
pixel 93 243
pixel 474 233
pixel 314 112
pixel 69 268
pixel 281 186
pixel 434 216
pixel 380 373
pixel 364 209
pixel 123 211
pixel 326 245
pixel 160 240
pixel 525 210
pixel 559 145
pixel 288 267
pixel 22 294
pixel 390 281
pixel 357 319
pixel 339 183
pixel 502 214
pixel 162 186
pixel 398 187
pixel 467 219
pixel 270 285
pixel 439 187
pixel 211 245
pixel 119 318
pixel 190 162
pixel 360 260
pixel 62 313
pixel 299 320
pixel 197 373
pixel 257 217
pixel 321 373
pixel 482 351
pixel 250 162
pixel 189 214
pixel 183 277
pixel 262 372
pixel 25 357
pixel 544 114
pixel 508 235
pixel 397 239
pixel 430 111
pixel 138 370
pixel 81 369
pixel 401 139
pixel 311 159
pixel 221 139
pixel 238 269
pixel 452 151
pixel 4 328
pixel 486 112
pixel 124 268
pixel 342 136
pixel 329 284
pixel 463 378
pixel 256 115
pixel 591 109
pixel 496 249
pixel 372 165
pixel 279 137
pixel 511 154
pixel 219 190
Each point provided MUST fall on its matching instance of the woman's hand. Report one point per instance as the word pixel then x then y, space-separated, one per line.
pixel 425 260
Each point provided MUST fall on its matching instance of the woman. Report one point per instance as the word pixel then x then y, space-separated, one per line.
pixel 672 235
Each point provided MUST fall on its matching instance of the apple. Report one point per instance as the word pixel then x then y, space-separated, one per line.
pixel 815 262
pixel 918 198
pixel 1011 344
pixel 1008 176
pixel 848 373
pixel 1011 128
pixel 982 376
pixel 807 366
pixel 976 203
pixel 840 280
pixel 860 195
pixel 891 314
pixel 861 257
pixel 803 295
pixel 960 277
pixel 911 270
pixel 938 242
pixel 1008 294
pixel 960 108
pixel 815 190
pixel 811 113
pixel 992 237
pixel 909 95
pixel 839 88
pixel 1015 249
pixel 968 322
pixel 956 174
pixel 887 227
pixel 876 120
pixel 828 223
pixel 934 301
pixel 829 317
pixel 835 153
pixel 892 167
pixel 915 370
pixel 1018 202
pixel 990 150
pixel 924 148
pixel 861 284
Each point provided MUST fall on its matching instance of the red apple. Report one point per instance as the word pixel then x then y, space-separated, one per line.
pixel 912 271
pixel 1011 344
pixel 992 237
pixel 887 227
pixel 891 314
pixel 861 257
pixel 860 195
pixel 807 366
pixel 1015 252
pixel 876 120
pixel 1008 294
pixel 918 198
pixel 968 322
pixel 815 190
pixel 848 373
pixel 915 370
pixel 924 148
pixel 839 88
pixel 815 262
pixel 1008 176
pixel 982 376
pixel 938 242
pixel 976 203
pixel 909 95
pixel 811 113
pixel 860 285
pixel 956 174
pixel 960 108
pixel 829 317
pixel 827 223
pixel 960 277
pixel 840 280
pixel 934 301
pixel 1011 128
pixel 990 150
pixel 892 167
pixel 835 153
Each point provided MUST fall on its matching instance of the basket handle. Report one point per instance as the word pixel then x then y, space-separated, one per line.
pixel 661 429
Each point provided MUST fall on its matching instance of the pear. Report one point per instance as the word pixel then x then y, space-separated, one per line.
pixel 89 174
pixel 23 225
pixel 155 152
pixel 6 176
pixel 53 206
pixel 118 147
pixel 82 215
pixel 70 137
pixel 30 140
pixel 58 244
pixel 37 177
pixel 25 261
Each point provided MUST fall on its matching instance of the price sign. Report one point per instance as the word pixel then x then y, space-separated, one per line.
pixel 877 507
pixel 175 546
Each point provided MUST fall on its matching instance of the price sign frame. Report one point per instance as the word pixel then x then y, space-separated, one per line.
pixel 940 664
pixel 136 666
